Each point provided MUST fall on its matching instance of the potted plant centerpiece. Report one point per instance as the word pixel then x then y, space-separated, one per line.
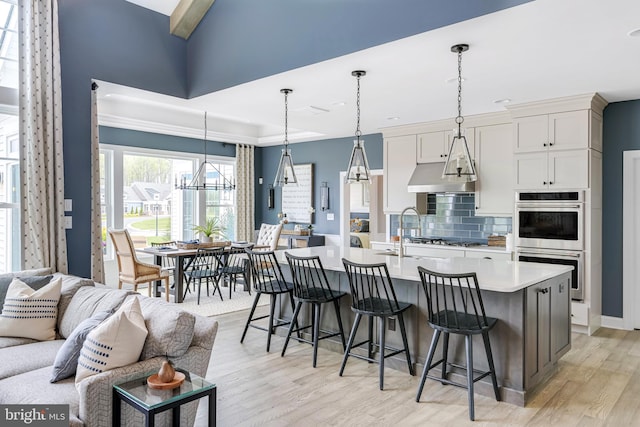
pixel 212 229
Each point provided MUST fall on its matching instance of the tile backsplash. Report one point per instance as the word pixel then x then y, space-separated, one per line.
pixel 454 219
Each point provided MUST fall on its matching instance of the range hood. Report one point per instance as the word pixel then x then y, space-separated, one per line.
pixel 427 178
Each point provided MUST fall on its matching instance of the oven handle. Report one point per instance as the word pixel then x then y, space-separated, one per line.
pixel 550 255
pixel 547 206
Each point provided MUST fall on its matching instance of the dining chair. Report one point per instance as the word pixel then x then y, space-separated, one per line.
pixel 373 295
pixel 454 306
pixel 267 278
pixel 311 286
pixel 130 269
pixel 236 263
pixel 207 266
pixel 268 235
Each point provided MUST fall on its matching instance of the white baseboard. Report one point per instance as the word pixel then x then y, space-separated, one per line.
pixel 613 323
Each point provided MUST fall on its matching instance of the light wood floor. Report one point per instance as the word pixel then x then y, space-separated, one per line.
pixel 598 384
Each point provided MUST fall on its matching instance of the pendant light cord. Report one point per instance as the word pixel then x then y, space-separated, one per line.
pixel 205 137
pixel 358 132
pixel 459 119
pixel 286 119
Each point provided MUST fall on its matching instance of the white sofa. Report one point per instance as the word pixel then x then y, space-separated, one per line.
pixel 26 364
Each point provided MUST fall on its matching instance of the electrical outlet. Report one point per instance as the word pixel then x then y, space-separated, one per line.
pixel 330 217
pixel 392 323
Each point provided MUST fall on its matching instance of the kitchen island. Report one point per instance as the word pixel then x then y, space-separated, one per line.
pixel 530 300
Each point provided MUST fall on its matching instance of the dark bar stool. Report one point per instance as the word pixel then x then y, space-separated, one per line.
pixel 310 286
pixel 373 295
pixel 267 279
pixel 455 307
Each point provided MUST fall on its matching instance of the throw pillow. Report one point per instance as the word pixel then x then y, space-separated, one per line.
pixel 66 361
pixel 34 282
pixel 117 342
pixel 30 313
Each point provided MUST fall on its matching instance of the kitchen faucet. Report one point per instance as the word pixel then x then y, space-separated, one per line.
pixel 410 208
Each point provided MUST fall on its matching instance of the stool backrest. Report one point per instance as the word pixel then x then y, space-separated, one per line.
pixel 266 271
pixel 453 300
pixel 309 277
pixel 369 284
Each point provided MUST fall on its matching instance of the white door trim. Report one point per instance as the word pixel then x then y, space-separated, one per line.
pixel 630 255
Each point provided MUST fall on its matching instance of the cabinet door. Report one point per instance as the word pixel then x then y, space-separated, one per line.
pixel 399 164
pixel 531 171
pixel 569 169
pixel 494 163
pixel 531 133
pixel 560 316
pixel 538 349
pixel 569 130
pixel 432 147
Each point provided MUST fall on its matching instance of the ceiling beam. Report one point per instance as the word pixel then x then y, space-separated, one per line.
pixel 187 15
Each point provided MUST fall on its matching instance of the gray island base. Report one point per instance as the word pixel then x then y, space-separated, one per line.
pixel 530 300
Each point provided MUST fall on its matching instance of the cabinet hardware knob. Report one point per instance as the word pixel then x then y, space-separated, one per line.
pixel 544 145
pixel 477 208
pixel 550 144
pixel 446 155
pixel 544 182
pixel 441 155
pixel 550 182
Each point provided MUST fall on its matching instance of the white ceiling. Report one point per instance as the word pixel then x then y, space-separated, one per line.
pixel 165 7
pixel 540 50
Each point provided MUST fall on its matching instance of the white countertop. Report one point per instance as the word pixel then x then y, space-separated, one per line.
pixel 481 248
pixel 498 276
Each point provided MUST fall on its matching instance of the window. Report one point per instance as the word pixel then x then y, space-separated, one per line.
pixel 9 139
pixel 138 194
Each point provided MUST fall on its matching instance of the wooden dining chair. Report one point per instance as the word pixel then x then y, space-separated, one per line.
pixel 130 269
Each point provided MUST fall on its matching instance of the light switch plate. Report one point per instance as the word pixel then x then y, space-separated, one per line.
pixel 330 217
pixel 68 222
pixel 68 205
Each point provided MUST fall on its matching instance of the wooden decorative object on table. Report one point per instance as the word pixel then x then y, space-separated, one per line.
pixel 167 378
pixel 214 244
pixel 302 232
pixel 497 241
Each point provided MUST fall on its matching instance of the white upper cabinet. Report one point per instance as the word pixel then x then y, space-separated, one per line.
pixel 433 147
pixel 557 170
pixel 494 163
pixel 399 163
pixel 558 131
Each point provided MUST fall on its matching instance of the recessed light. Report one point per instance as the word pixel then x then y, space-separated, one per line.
pixel 502 101
pixel 634 33
pixel 339 104
pixel 393 118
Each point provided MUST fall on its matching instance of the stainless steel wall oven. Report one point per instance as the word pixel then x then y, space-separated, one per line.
pixel 549 228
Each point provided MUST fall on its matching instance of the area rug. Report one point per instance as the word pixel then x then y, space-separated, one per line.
pixel 212 306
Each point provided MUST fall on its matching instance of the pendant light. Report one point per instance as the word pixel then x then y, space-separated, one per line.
pixel 217 180
pixel 286 174
pixel 459 166
pixel 358 169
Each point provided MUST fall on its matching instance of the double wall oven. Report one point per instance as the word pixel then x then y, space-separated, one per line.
pixel 549 228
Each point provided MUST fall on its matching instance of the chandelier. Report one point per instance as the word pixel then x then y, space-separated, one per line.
pixel 208 177
pixel 459 166
pixel 286 174
pixel 358 169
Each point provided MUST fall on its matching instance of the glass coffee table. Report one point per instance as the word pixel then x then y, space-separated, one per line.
pixel 151 401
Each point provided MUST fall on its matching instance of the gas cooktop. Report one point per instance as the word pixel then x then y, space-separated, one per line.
pixel 443 242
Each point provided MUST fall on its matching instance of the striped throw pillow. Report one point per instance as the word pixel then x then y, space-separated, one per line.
pixel 30 313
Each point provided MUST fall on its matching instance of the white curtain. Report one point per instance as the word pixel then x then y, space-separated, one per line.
pixel 245 193
pixel 97 265
pixel 42 173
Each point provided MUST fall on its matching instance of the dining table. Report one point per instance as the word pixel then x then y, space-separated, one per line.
pixel 183 259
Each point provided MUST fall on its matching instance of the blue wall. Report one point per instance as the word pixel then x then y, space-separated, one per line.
pixel 244 40
pixel 329 157
pixel 621 132
pixel 115 41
